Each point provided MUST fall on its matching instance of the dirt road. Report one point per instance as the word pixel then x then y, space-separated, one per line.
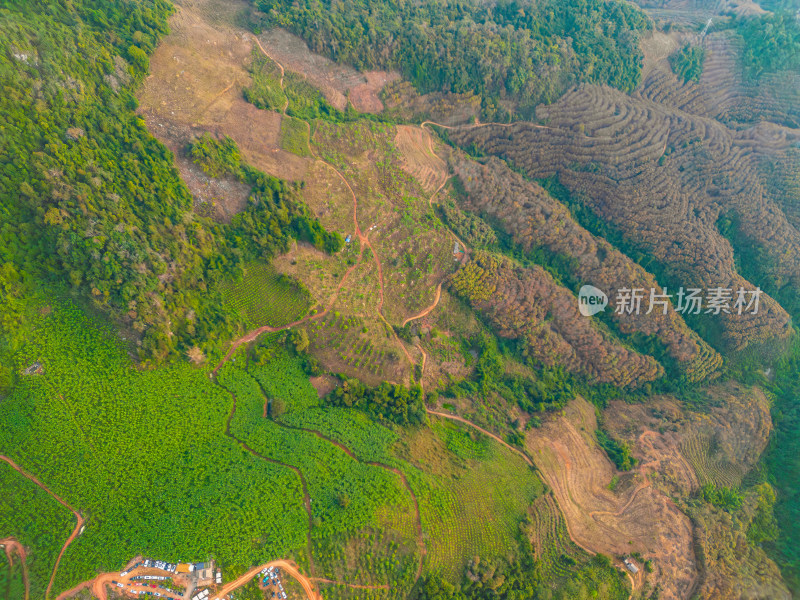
pixel 290 568
pixel 75 532
pixel 364 242
pixel 516 451
pixel 12 546
pixel 427 311
pixel 476 125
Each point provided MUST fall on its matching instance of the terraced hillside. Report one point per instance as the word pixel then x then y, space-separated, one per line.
pixel 635 517
pixel 535 219
pixel 723 92
pixel 663 178
pixel 527 304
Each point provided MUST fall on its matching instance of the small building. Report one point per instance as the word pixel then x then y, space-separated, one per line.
pixel 629 564
pixel 35 369
pixel 456 248
pixel 347 239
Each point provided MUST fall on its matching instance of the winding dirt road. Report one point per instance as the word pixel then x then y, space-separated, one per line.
pixel 427 311
pixel 75 533
pixel 363 239
pixel 12 546
pixel 290 568
pixel 418 516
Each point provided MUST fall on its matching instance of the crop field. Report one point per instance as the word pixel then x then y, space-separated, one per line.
pixel 411 242
pixel 711 466
pixel 265 297
pixel 624 159
pixel 320 273
pixel 350 500
pixel 283 377
pixel 50 524
pixel 12 586
pixel 315 484
pixel 112 441
pixel 265 90
pixel 464 443
pixel 469 507
pixel 367 440
pixel 359 345
pixel 333 591
pixel 548 534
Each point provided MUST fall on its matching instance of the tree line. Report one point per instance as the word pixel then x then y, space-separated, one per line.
pixel 528 53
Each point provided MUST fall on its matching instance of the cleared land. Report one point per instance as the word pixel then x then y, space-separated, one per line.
pixel 683 450
pixel 637 517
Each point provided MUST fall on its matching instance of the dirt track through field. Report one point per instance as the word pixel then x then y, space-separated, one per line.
pixel 363 239
pixel 354 586
pixel 253 335
pixel 496 438
pixel 427 311
pixel 13 546
pixel 297 471
pixel 476 125
pixel 418 517
pixel 75 532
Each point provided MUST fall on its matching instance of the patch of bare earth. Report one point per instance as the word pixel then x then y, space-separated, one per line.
pixel 197 76
pixel 418 157
pixel 693 449
pixel 324 384
pixel 636 517
pixel 685 449
pixel 338 83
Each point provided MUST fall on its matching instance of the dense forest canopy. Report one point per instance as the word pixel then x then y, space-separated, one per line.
pixel 524 51
pixel 772 43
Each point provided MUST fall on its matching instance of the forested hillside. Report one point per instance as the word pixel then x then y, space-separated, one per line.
pixel 524 52
pixel 93 203
pixel 772 43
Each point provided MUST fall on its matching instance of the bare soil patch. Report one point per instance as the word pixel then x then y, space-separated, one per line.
pixel 324 384
pixel 694 448
pixel 637 517
pixel 197 76
pixel 338 83
pixel 419 158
